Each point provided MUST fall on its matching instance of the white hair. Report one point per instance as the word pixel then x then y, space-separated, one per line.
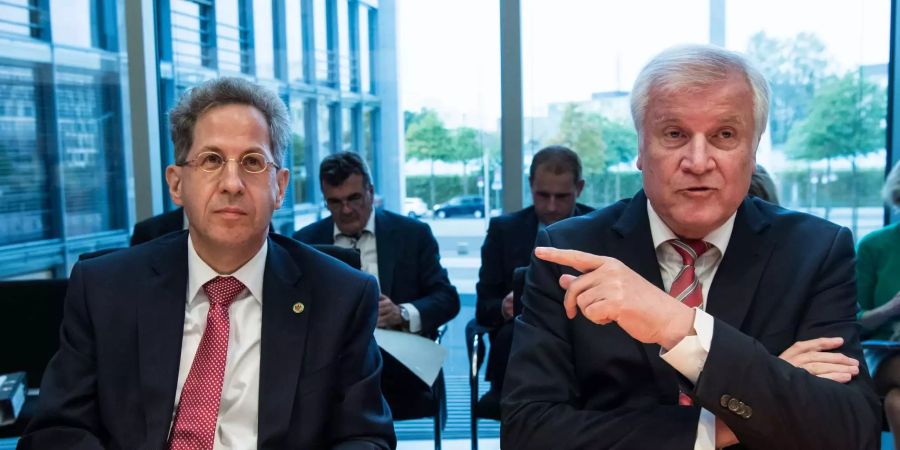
pixel 690 67
pixel 891 191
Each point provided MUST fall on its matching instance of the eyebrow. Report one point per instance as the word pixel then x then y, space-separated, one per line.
pixel 213 148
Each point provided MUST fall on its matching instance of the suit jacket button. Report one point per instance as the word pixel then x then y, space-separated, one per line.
pixel 733 404
pixel 724 400
pixel 748 411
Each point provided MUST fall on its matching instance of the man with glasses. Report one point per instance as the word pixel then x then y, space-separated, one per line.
pixel 416 295
pixel 168 345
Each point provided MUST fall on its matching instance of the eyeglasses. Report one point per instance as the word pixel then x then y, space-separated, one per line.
pixel 354 201
pixel 213 162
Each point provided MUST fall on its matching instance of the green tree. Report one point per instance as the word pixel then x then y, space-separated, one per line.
pixel 846 120
pixel 583 132
pixel 428 140
pixel 621 147
pixel 795 68
pixel 466 147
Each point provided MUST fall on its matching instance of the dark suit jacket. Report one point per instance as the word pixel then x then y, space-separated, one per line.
pixel 409 271
pixel 157 226
pixel 409 266
pixel 507 246
pixel 785 277
pixel 112 384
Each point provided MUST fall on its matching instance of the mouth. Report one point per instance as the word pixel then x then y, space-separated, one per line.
pixel 698 190
pixel 231 211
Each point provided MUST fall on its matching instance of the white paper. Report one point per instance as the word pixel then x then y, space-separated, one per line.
pixel 421 355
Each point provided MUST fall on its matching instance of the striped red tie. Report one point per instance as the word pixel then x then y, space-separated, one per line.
pixel 687 287
pixel 198 408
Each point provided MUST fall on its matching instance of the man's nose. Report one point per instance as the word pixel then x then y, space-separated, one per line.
pixel 698 159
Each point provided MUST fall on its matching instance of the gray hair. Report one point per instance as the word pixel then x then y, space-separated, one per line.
pixel 694 66
pixel 226 91
pixel 891 191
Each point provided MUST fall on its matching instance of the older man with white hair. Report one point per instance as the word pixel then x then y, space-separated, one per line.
pixel 692 315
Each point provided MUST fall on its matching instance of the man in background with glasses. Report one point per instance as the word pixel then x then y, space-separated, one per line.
pixel 402 253
pixel 221 336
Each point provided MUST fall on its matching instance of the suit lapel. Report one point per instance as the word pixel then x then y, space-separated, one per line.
pixel 737 278
pixel 283 341
pixel 387 247
pixel 635 248
pixel 160 310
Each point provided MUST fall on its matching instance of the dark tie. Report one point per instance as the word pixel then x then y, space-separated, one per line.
pixel 198 409
pixel 686 287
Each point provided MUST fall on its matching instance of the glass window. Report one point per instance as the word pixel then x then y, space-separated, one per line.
pixel 188 33
pixel 347 127
pixel 369 141
pixel 827 71
pixel 87 120
pixel 365 61
pixel 324 55
pixel 263 44
pixel 25 213
pixel 229 35
pixel 294 37
pixel 299 153
pixel 443 159
pixel 344 40
pixel 18 18
pixel 324 130
pixel 71 22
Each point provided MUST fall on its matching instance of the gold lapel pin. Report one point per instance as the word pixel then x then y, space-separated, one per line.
pixel 298 308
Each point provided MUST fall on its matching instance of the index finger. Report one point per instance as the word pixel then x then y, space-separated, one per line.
pixel 578 260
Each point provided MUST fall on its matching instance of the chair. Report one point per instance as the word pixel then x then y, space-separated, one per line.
pixel 476 349
pixel 29 331
pixel 347 255
pixel 892 346
pixel 433 405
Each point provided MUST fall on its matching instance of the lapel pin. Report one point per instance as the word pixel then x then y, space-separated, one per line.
pixel 298 308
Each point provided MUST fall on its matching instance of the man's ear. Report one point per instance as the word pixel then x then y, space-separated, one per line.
pixel 579 186
pixel 281 178
pixel 173 179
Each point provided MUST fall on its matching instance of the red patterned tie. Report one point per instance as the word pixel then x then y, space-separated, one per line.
pixel 198 409
pixel 687 287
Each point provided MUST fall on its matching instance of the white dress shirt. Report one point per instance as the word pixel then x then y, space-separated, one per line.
pixel 689 356
pixel 368 255
pixel 237 425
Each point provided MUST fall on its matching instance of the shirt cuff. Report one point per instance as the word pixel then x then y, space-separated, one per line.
pixel 689 356
pixel 706 431
pixel 415 319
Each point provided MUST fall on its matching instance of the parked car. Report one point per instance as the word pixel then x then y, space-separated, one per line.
pixel 463 205
pixel 414 207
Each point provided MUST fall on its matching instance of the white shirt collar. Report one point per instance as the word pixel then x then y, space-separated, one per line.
pixel 370 227
pixel 250 274
pixel 661 232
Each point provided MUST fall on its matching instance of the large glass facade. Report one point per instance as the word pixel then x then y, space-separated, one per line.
pixel 65 166
pixel 63 176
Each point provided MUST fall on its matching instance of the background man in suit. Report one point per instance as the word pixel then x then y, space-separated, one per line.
pixel 167 345
pixel 556 182
pixel 158 225
pixel 416 295
pixel 692 285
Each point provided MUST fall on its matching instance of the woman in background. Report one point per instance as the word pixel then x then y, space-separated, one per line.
pixel 878 287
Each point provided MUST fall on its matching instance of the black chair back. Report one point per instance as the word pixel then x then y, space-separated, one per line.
pixel 29 325
pixel 347 255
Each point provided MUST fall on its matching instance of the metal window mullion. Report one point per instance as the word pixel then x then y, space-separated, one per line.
pixel 892 155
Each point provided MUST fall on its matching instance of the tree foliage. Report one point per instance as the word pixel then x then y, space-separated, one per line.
pixel 427 139
pixel 600 142
pixel 846 119
pixel 794 68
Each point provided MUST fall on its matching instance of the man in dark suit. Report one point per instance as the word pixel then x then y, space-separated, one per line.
pixel 167 345
pixel 158 225
pixel 416 295
pixel 676 319
pixel 556 182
